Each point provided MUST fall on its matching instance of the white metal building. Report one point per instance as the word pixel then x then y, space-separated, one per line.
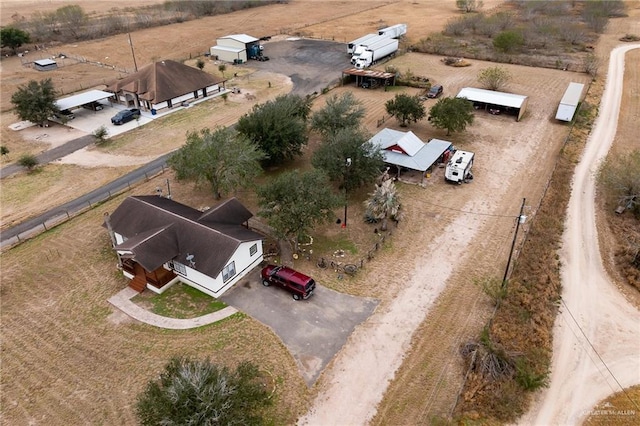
pixel 569 103
pixel 233 48
pixel 491 100
pixel 45 64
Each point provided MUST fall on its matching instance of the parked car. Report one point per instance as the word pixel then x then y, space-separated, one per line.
pixel 297 283
pixel 125 116
pixel 65 115
pixel 435 91
pixel 93 106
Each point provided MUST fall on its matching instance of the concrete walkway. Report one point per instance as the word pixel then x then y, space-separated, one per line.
pixel 122 301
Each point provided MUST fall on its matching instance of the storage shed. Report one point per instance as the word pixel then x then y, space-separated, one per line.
pixel 496 102
pixel 45 64
pixel 233 48
pixel 569 103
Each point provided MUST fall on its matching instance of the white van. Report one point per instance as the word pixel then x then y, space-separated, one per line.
pixel 458 168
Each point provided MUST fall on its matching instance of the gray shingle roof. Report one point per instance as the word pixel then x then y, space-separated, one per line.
pixel 159 230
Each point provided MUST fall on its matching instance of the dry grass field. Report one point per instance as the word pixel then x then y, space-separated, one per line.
pixel 69 358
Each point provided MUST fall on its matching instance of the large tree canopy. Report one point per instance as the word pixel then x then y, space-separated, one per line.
pixel 338 113
pixel 223 159
pixel 36 101
pixel 405 108
pixel 365 161
pixel 13 37
pixel 278 127
pixel 295 202
pixel 453 114
pixel 191 392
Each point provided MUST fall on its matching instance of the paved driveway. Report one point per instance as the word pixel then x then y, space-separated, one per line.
pixel 311 64
pixel 313 330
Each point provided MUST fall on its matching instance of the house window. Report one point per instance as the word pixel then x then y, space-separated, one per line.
pixel 253 250
pixel 178 267
pixel 229 271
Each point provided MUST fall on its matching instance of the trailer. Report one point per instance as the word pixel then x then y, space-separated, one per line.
pixel 362 47
pixel 377 51
pixel 458 168
pixel 355 43
pixel 569 103
pixel 394 31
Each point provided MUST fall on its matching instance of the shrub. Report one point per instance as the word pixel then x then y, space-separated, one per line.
pixel 101 134
pixel 508 41
pixel 200 64
pixel 28 161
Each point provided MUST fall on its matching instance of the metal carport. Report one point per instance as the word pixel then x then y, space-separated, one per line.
pixel 82 99
pixel 505 102
pixel 370 77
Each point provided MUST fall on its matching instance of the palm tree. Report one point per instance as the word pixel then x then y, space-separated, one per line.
pixel 384 203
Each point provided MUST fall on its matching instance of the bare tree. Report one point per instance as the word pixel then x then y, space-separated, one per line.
pixel 591 64
pixel 468 6
pixel 494 78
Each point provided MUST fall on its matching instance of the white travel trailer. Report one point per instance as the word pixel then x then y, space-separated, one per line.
pixel 458 168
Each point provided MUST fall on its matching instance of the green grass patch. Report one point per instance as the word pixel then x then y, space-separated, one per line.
pixel 179 301
pixel 323 244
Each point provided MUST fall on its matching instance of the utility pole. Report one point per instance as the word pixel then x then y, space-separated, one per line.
pixel 520 219
pixel 135 65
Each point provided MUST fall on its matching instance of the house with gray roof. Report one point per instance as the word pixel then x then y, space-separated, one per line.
pixel 407 151
pixel 160 241
pixel 164 84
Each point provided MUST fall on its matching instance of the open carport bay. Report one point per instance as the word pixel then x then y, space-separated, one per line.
pixel 313 330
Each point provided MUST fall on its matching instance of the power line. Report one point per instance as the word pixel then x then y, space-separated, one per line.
pixel 468 211
pixel 599 357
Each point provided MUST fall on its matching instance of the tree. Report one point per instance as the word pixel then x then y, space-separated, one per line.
pixel 405 108
pixel 222 159
pixel 72 19
pixel 277 127
pixel 508 41
pixel 469 6
pixel 352 143
pixel 101 134
pixel 453 114
pixel 383 203
pixel 191 392
pixel 295 202
pixel 200 64
pixel 13 38
pixel 36 101
pixel 222 68
pixel 494 78
pixel 619 176
pixel 28 161
pixel 339 113
pixel 4 151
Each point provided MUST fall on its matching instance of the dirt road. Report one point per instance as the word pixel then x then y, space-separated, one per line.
pixel 597 334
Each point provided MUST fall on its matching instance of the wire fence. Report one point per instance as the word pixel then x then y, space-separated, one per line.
pixel 60 216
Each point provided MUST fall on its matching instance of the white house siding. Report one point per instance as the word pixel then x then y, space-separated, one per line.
pixel 215 287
